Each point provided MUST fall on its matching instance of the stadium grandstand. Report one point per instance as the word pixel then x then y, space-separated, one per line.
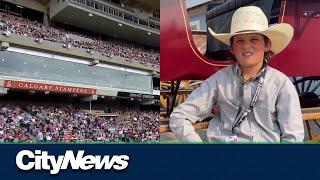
pixel 79 70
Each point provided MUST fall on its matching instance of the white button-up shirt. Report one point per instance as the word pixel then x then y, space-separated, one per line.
pixel 276 116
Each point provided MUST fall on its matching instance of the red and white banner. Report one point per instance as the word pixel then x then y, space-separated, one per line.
pixel 48 87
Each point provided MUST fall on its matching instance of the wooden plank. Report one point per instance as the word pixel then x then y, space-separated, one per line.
pixel 181 91
pixel 164 119
pixel 308 109
pixel 164 128
pixel 201 125
pixel 163 113
pixel 308 114
pixel 314 139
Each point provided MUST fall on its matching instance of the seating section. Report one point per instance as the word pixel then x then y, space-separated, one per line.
pixel 53 123
pixel 68 38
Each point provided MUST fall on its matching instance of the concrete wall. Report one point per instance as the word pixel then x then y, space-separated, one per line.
pixel 199 20
pixel 55 7
pixel 197 16
pixel 16 40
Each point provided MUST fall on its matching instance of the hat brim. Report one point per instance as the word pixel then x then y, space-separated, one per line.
pixel 280 36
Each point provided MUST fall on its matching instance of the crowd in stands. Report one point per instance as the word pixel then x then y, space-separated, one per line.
pixel 49 123
pixel 108 47
pixel 12 124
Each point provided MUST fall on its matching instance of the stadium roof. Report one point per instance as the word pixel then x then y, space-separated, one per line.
pixel 43 2
pixel 194 3
pixel 105 24
pixel 148 5
pixel 109 26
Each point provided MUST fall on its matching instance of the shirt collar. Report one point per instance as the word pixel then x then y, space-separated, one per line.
pixel 237 71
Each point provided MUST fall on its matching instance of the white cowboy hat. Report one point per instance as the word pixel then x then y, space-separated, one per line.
pixel 251 19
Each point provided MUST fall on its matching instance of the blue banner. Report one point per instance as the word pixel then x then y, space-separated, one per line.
pixel 159 161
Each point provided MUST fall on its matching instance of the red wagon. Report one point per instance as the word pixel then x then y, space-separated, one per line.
pixel 181 60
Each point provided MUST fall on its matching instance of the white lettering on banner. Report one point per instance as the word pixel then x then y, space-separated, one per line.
pixel 135 95
pixel 48 87
pixel 40 160
pixel 8 83
pixel 145 96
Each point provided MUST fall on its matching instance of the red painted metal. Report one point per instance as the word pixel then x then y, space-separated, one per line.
pixel 302 56
pixel 180 59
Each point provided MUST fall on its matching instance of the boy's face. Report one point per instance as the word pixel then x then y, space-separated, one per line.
pixel 249 49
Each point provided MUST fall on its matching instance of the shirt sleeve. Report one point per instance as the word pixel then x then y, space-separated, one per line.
pixel 197 107
pixel 289 114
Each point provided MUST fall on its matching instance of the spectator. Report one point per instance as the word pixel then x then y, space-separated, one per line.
pixel 108 47
pixel 68 124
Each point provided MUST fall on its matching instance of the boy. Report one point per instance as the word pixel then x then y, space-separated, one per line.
pixel 255 101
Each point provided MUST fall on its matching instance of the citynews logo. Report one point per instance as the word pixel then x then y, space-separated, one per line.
pixel 40 160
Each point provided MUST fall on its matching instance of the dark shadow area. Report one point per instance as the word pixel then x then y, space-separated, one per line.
pixel 218 18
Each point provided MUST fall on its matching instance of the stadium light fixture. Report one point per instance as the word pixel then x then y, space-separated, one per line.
pixel 39 40
pixel 7 33
pixel 90 51
pixel 4 46
pixel 120 24
pixel 32 92
pixel 149 33
pixel 90 14
pixel 19 6
pixel 94 62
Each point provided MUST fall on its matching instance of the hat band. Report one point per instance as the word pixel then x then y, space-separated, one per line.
pixel 246 31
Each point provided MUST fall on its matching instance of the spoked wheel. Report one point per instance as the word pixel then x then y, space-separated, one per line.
pixel 184 85
pixel 308 89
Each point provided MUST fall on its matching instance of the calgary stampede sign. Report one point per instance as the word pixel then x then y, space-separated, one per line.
pixel 48 87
